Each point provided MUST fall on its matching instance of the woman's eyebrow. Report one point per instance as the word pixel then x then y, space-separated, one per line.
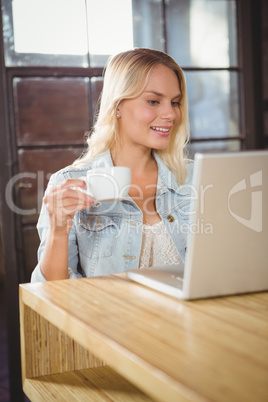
pixel 161 95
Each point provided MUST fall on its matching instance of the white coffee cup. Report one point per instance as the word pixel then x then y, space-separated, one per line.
pixel 108 183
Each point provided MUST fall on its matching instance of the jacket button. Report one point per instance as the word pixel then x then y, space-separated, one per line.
pixel 170 218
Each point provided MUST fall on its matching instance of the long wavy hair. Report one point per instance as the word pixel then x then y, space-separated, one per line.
pixel 125 77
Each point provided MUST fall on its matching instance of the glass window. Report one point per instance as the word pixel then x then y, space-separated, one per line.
pixel 213 146
pixel 65 32
pixel 148 24
pixel 51 26
pixel 213 104
pixel 110 29
pixel 202 33
pixel 50 32
pixel 199 33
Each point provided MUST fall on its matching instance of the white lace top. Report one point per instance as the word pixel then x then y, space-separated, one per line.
pixel 157 247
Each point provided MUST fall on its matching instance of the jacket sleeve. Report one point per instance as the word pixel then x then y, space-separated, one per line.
pixel 43 226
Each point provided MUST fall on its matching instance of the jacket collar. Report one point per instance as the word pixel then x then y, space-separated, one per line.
pixel 166 179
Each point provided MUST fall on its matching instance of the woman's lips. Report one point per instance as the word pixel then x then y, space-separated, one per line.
pixel 162 131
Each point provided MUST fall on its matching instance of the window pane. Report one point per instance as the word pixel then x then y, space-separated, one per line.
pixel 148 24
pixel 51 26
pixel 110 28
pixel 45 32
pixel 213 104
pixel 202 33
pixel 214 146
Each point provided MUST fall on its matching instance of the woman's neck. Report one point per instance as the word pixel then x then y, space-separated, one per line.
pixel 138 160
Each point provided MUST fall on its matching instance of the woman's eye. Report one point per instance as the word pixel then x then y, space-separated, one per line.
pixel 153 102
pixel 177 104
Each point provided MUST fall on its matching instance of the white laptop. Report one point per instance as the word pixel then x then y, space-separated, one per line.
pixel 227 247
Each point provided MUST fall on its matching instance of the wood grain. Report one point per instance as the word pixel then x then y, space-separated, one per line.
pixel 99 384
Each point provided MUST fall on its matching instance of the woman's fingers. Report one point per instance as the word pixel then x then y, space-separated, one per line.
pixel 68 199
pixel 74 196
pixel 65 200
pixel 73 183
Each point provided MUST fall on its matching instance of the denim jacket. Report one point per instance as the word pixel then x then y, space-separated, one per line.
pixel 106 238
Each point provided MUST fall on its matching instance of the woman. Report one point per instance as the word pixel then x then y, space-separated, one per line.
pixel 142 124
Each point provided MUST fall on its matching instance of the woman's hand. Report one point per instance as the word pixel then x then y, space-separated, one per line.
pixel 63 201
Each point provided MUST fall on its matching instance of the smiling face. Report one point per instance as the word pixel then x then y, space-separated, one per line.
pixel 148 120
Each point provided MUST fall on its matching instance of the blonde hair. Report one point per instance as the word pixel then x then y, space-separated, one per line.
pixel 126 77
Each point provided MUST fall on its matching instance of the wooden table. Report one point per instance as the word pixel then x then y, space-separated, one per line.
pixel 107 338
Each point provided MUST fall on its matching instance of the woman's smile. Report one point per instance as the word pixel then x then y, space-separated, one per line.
pixel 162 131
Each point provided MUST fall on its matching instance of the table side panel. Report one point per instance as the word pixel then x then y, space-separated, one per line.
pixel 46 349
pixel 98 384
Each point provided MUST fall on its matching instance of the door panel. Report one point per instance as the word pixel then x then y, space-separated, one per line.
pixel 51 110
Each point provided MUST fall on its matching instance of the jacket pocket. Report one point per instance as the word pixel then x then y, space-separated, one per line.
pixel 97 235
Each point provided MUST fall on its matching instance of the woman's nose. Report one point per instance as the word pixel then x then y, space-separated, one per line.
pixel 168 112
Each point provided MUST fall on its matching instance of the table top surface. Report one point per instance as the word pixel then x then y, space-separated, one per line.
pixel 210 349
